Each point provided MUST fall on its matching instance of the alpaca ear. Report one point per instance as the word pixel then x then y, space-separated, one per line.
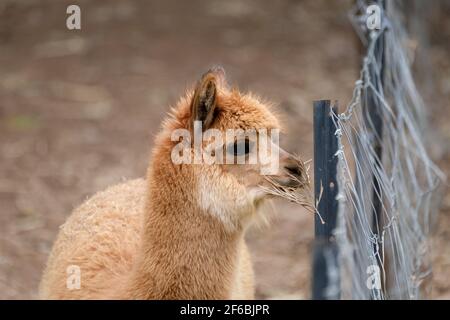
pixel 204 101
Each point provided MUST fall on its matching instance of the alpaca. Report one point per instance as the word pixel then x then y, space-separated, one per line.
pixel 179 233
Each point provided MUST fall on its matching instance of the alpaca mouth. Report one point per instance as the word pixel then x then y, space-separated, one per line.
pixel 294 186
pixel 290 188
pixel 289 183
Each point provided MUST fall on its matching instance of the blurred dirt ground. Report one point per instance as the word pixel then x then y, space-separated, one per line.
pixel 78 110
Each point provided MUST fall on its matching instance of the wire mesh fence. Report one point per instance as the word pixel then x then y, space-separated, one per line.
pixel 387 183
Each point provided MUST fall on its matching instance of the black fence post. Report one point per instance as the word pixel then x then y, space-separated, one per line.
pixel 326 278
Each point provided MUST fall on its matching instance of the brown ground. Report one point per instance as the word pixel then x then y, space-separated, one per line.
pixel 78 110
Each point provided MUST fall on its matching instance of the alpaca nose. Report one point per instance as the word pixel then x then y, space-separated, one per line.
pixel 294 173
pixel 294 169
pixel 291 172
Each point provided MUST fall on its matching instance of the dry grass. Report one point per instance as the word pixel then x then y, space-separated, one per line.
pixel 302 194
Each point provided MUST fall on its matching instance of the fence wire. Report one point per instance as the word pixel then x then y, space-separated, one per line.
pixel 388 185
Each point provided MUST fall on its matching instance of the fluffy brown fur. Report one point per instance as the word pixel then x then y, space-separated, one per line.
pixel 178 234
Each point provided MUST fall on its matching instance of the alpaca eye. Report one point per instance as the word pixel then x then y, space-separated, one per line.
pixel 239 148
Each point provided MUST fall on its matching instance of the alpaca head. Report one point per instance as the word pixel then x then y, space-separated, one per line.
pixel 226 142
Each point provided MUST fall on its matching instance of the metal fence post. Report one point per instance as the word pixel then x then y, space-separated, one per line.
pixel 326 282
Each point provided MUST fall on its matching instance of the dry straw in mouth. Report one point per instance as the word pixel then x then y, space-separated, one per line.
pixel 301 195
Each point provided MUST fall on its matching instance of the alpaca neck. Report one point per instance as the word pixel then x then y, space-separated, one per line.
pixel 186 253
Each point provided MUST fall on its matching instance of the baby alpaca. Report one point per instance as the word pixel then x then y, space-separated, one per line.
pixel 179 233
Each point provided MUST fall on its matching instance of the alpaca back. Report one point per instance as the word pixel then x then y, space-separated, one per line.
pixel 101 237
